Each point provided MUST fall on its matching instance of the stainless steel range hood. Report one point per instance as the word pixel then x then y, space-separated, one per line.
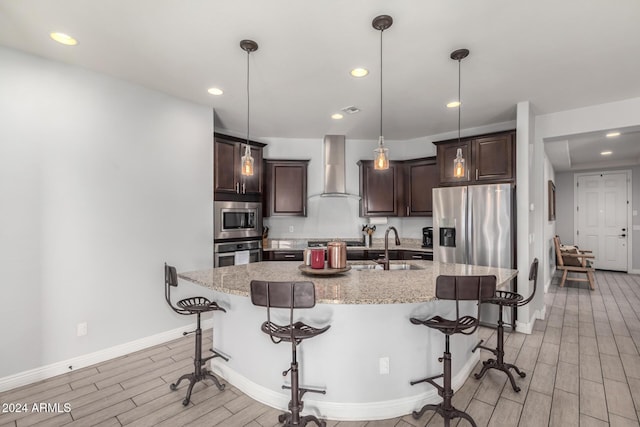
pixel 334 166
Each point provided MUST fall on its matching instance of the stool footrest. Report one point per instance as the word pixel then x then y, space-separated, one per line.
pixel 217 354
pixel 479 345
pixel 429 380
pixel 304 390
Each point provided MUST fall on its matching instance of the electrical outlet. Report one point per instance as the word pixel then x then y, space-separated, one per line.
pixel 81 329
pixel 291 229
pixel 384 365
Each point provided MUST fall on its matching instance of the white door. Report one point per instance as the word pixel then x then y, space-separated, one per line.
pixel 601 227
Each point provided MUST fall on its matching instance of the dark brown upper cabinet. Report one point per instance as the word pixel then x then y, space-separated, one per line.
pixel 488 159
pixel 381 191
pixel 402 190
pixel 228 181
pixel 285 187
pixel 421 176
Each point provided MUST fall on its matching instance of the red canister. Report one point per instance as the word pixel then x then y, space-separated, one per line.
pixel 317 258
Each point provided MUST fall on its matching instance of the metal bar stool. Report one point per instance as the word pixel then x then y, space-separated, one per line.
pixel 289 295
pixel 458 288
pixel 506 299
pixel 188 306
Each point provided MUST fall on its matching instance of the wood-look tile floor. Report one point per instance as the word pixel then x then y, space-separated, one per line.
pixel 582 364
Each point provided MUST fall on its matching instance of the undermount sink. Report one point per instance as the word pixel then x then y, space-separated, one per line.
pixel 398 266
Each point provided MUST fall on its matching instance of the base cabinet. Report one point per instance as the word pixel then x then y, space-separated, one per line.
pixel 282 255
pixel 417 255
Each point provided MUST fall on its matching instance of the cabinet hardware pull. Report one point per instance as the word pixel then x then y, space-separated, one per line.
pixel 244 187
pixel 237 187
pixel 407 210
pixel 416 256
pixel 476 174
pixel 289 256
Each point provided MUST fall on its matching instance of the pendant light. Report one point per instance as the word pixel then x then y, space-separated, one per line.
pixel 247 160
pixel 458 163
pixel 381 162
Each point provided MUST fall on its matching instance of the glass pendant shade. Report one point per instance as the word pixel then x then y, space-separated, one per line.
pixel 382 156
pixel 247 162
pixel 458 165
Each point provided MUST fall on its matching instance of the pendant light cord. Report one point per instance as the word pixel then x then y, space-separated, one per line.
pixel 248 98
pixel 381 31
pixel 459 100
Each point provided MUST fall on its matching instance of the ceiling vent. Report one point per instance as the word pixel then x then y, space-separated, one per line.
pixel 351 109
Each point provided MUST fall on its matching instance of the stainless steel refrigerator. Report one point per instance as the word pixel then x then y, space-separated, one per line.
pixel 476 225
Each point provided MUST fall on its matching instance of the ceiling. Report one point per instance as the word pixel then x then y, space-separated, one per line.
pixel 557 55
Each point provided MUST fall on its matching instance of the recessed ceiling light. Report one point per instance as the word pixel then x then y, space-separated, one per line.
pixel 64 39
pixel 215 91
pixel 453 104
pixel 337 116
pixel 605 153
pixel 359 72
pixel 613 134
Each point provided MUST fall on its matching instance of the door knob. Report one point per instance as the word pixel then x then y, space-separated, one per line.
pixel 623 235
pixel 624 229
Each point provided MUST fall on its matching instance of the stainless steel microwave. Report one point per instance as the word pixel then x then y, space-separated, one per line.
pixel 234 220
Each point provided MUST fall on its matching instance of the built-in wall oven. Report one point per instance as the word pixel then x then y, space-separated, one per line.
pixel 237 220
pixel 232 253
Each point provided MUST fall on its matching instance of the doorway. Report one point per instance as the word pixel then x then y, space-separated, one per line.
pixel 602 212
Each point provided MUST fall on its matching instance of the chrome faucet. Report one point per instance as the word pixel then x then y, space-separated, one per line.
pixel 385 261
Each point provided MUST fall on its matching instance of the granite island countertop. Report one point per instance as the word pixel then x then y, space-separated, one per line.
pixel 351 287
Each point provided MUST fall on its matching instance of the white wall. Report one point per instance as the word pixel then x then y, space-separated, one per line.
pixel 548 246
pixel 101 181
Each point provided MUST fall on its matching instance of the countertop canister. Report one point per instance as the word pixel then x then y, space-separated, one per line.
pixel 337 254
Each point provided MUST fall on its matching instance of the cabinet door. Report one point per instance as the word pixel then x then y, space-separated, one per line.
pixel 417 255
pixel 446 155
pixel 421 178
pixel 282 255
pixel 493 158
pixel 286 187
pixel 380 190
pixel 253 183
pixel 226 165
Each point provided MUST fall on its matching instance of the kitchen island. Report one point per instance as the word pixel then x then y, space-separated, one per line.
pixel 368 356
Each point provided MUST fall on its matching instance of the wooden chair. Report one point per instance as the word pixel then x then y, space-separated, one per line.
pixel 574 260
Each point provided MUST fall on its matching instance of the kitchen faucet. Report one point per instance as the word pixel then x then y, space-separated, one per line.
pixel 385 261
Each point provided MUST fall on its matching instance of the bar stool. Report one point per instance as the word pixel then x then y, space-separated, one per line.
pixel 458 288
pixel 188 306
pixel 289 295
pixel 506 299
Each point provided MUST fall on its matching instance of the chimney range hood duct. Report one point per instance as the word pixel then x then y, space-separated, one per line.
pixel 334 168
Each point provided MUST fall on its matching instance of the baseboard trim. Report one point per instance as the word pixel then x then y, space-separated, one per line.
pixel 633 271
pixel 527 327
pixel 62 367
pixel 380 410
